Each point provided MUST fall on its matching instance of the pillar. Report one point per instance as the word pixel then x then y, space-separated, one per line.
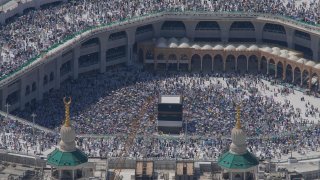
pixel 102 54
pixel 72 174
pixel 310 78
pixel 58 75
pixel 318 82
pixel 40 83
pixel 23 84
pixel 236 64
pixel 276 69
pixel 157 29
pixel 190 28
pixel 76 55
pixel 201 63
pixel 290 36
pixel 224 64
pixel 248 64
pixel 212 61
pixel 225 26
pixel 259 65
pixel 301 78
pixel 258 31
pixel 155 65
pixel 315 43
pixel 284 71
pixel 268 67
pixel 293 75
pixel 4 94
pixel 131 33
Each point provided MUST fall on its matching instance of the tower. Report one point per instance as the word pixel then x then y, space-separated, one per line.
pixel 238 163
pixel 68 162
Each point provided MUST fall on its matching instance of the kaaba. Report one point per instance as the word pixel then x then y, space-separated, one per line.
pixel 170 114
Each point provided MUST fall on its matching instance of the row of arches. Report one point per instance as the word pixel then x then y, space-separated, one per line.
pixel 202 25
pixel 240 64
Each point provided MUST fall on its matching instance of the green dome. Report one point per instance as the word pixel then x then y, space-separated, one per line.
pixel 60 158
pixel 235 161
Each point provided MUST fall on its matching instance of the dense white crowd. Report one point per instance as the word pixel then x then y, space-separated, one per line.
pixel 106 104
pixel 33 33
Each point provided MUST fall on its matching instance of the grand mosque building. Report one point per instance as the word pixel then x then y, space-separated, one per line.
pixel 207 41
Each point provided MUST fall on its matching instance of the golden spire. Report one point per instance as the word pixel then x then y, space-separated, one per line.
pixel 67 111
pixel 238 123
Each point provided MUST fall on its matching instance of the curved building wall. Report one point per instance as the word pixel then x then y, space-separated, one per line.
pixel 110 48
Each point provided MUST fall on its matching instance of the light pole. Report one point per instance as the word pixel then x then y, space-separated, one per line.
pixel 33 115
pixel 186 134
pixel 7 106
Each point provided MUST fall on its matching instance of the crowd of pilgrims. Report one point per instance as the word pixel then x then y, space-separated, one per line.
pixel 105 105
pixel 27 36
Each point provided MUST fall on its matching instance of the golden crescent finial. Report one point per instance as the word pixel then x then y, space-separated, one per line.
pixel 238 123
pixel 67 111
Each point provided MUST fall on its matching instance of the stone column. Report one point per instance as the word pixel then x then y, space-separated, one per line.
pixel 293 76
pixel 23 84
pixel 290 37
pixel 178 63
pixel 225 26
pixel 258 31
pixel 301 78
pixel 72 174
pixel 315 43
pixel 284 71
pixel 157 29
pixel 4 95
pixel 190 28
pixel 131 33
pixel 276 69
pixel 310 78
pixel 212 61
pixel 58 74
pixel 103 49
pixel 40 83
pixel 236 64
pixel 76 55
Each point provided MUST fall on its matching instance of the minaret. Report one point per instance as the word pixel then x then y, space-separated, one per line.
pixel 67 133
pixel 67 160
pixel 238 162
pixel 238 136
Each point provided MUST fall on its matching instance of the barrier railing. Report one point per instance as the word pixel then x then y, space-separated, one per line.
pixel 168 12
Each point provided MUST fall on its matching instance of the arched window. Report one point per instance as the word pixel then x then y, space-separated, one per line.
pixel 45 80
pixel 160 57
pixel 274 28
pixel 27 90
pixel 172 57
pixel 183 57
pixel 34 86
pixel 51 76
pixel 149 54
